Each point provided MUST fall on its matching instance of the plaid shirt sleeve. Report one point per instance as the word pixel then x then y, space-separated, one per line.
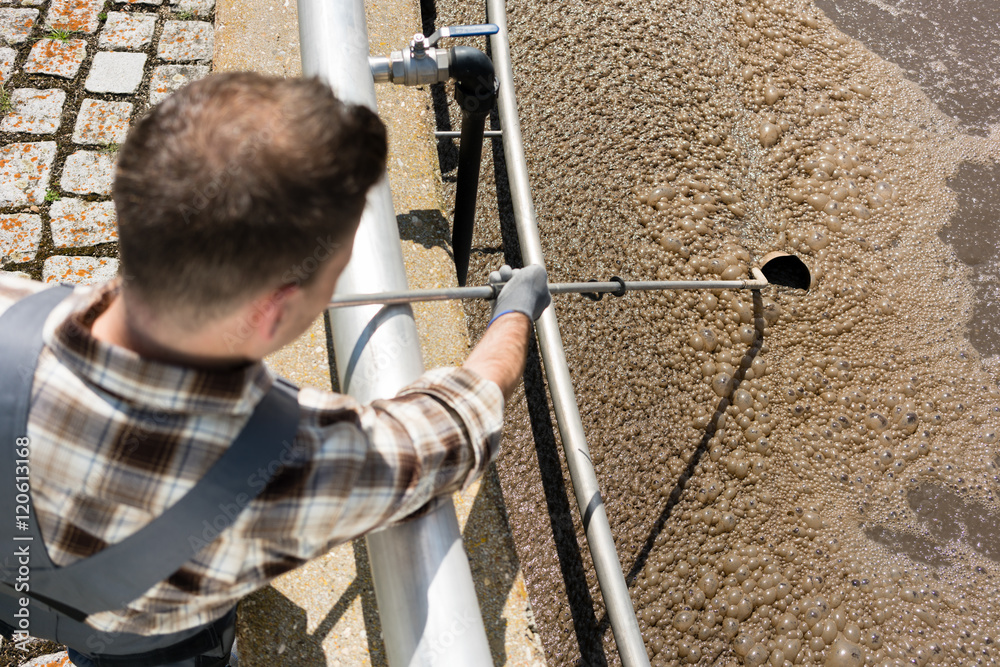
pixel 367 466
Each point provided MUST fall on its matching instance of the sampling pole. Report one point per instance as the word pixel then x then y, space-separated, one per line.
pixel 588 494
pixel 426 597
pixel 594 290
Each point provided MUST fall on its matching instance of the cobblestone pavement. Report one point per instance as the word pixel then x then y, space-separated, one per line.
pixel 74 74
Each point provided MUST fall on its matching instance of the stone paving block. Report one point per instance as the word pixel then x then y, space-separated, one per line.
pixel 20 235
pixel 115 72
pixel 79 270
pixel 74 15
pixel 16 24
pixel 101 122
pixel 76 223
pixel 60 659
pixel 88 172
pixel 25 170
pixel 127 31
pixel 7 57
pixel 198 7
pixel 35 111
pixel 51 56
pixel 186 41
pixel 168 78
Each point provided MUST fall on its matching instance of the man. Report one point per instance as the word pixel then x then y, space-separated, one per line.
pixel 238 199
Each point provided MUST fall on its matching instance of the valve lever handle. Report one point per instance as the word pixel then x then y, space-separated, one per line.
pixel 463 31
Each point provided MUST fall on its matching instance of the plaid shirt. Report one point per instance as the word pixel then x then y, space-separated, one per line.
pixel 116 439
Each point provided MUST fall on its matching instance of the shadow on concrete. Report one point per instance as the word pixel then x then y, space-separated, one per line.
pixel 287 644
pixel 428 227
pixel 447 149
pixel 369 606
pixel 330 354
pixel 274 630
pixel 431 229
pixel 492 559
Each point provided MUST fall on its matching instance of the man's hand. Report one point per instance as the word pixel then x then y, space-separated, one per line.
pixel 526 291
pixel 500 355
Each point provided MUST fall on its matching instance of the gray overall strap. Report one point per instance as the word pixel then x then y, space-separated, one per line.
pixel 122 572
pixel 20 344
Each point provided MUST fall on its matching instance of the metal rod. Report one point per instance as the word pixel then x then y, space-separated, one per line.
pixel 486 292
pixel 377 353
pixel 588 495
pixel 470 153
pixel 450 134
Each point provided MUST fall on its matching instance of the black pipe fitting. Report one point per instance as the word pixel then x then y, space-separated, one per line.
pixel 476 85
pixel 476 92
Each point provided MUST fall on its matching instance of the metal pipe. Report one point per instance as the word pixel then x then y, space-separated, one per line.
pixel 377 353
pixel 381 68
pixel 588 495
pixel 470 154
pixel 487 292
pixel 476 94
pixel 450 134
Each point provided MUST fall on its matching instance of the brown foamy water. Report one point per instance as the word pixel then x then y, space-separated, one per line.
pixel 798 478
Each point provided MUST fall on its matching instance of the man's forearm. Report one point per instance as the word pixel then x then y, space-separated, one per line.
pixel 501 353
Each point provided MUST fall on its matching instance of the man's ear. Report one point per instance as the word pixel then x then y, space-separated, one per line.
pixel 271 309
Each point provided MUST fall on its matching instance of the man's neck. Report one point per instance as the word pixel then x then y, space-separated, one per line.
pixel 145 336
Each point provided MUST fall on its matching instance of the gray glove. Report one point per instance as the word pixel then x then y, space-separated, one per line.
pixel 526 291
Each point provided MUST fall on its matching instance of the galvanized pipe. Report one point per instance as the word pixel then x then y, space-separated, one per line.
pixel 426 597
pixel 588 494
pixel 454 134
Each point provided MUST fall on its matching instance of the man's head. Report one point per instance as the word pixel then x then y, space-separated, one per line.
pixel 239 185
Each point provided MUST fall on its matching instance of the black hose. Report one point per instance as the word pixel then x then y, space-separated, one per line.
pixel 476 93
